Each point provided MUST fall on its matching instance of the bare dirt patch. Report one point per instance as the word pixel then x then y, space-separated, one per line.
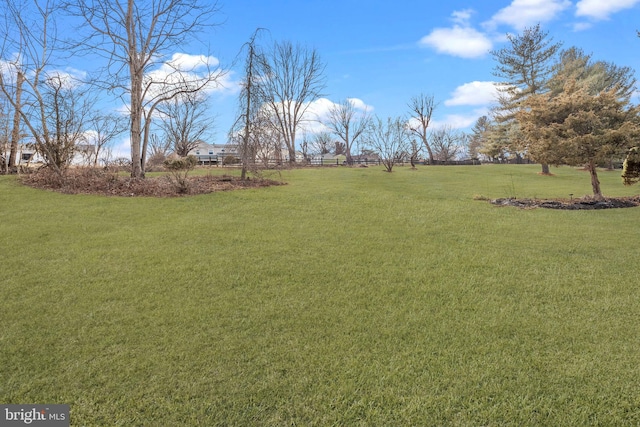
pixel 573 204
pixel 109 183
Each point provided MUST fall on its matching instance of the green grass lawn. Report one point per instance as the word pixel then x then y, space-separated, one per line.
pixel 347 297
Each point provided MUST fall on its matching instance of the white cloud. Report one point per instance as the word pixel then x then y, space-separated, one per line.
pixel 581 26
pixel 601 9
pixel 359 104
pixel 462 17
pixel 194 69
pixel 455 121
pixel 67 79
pixel 318 111
pixel 186 62
pixel 524 13
pixel 462 41
pixel 120 149
pixel 473 93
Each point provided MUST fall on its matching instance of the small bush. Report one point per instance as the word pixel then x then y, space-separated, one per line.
pixel 155 163
pixel 121 164
pixel 230 160
pixel 631 167
pixel 179 168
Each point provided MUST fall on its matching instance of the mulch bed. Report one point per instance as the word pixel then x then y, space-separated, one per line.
pixel 108 183
pixel 574 204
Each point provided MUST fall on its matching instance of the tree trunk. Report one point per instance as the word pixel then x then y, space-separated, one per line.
pixel 595 182
pixel 136 166
pixel 15 132
pixel 430 153
pixel 136 73
pixel 545 169
pixel 292 153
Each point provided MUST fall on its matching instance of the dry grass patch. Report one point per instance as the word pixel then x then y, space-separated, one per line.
pixel 109 183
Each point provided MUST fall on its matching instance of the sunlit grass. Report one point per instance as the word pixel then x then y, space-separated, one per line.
pixel 347 297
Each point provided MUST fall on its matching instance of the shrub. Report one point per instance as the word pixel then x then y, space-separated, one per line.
pixel 230 160
pixel 631 167
pixel 179 168
pixel 156 162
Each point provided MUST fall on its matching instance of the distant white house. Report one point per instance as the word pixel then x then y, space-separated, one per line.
pixel 27 155
pixel 216 153
pixel 213 153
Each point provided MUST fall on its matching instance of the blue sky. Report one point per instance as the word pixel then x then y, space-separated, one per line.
pixel 384 52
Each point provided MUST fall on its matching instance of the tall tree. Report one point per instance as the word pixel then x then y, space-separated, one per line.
pixel 347 124
pixel 525 65
pixel 135 37
pixel 422 108
pixel 292 78
pixel 247 128
pixel 578 128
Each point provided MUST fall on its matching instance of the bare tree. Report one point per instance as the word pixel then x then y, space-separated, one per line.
pixel 52 105
pixel 389 139
pixel 305 146
pixel 321 143
pixel 5 107
pixel 63 129
pixel 26 44
pixel 261 146
pixel 185 121
pixel 266 141
pixel 159 146
pixel 15 130
pixel 447 143
pixel 159 149
pixel 338 148
pixel 347 124
pixel 103 129
pixel 247 128
pixel 414 148
pixel 135 38
pixel 422 108
pixel 292 78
